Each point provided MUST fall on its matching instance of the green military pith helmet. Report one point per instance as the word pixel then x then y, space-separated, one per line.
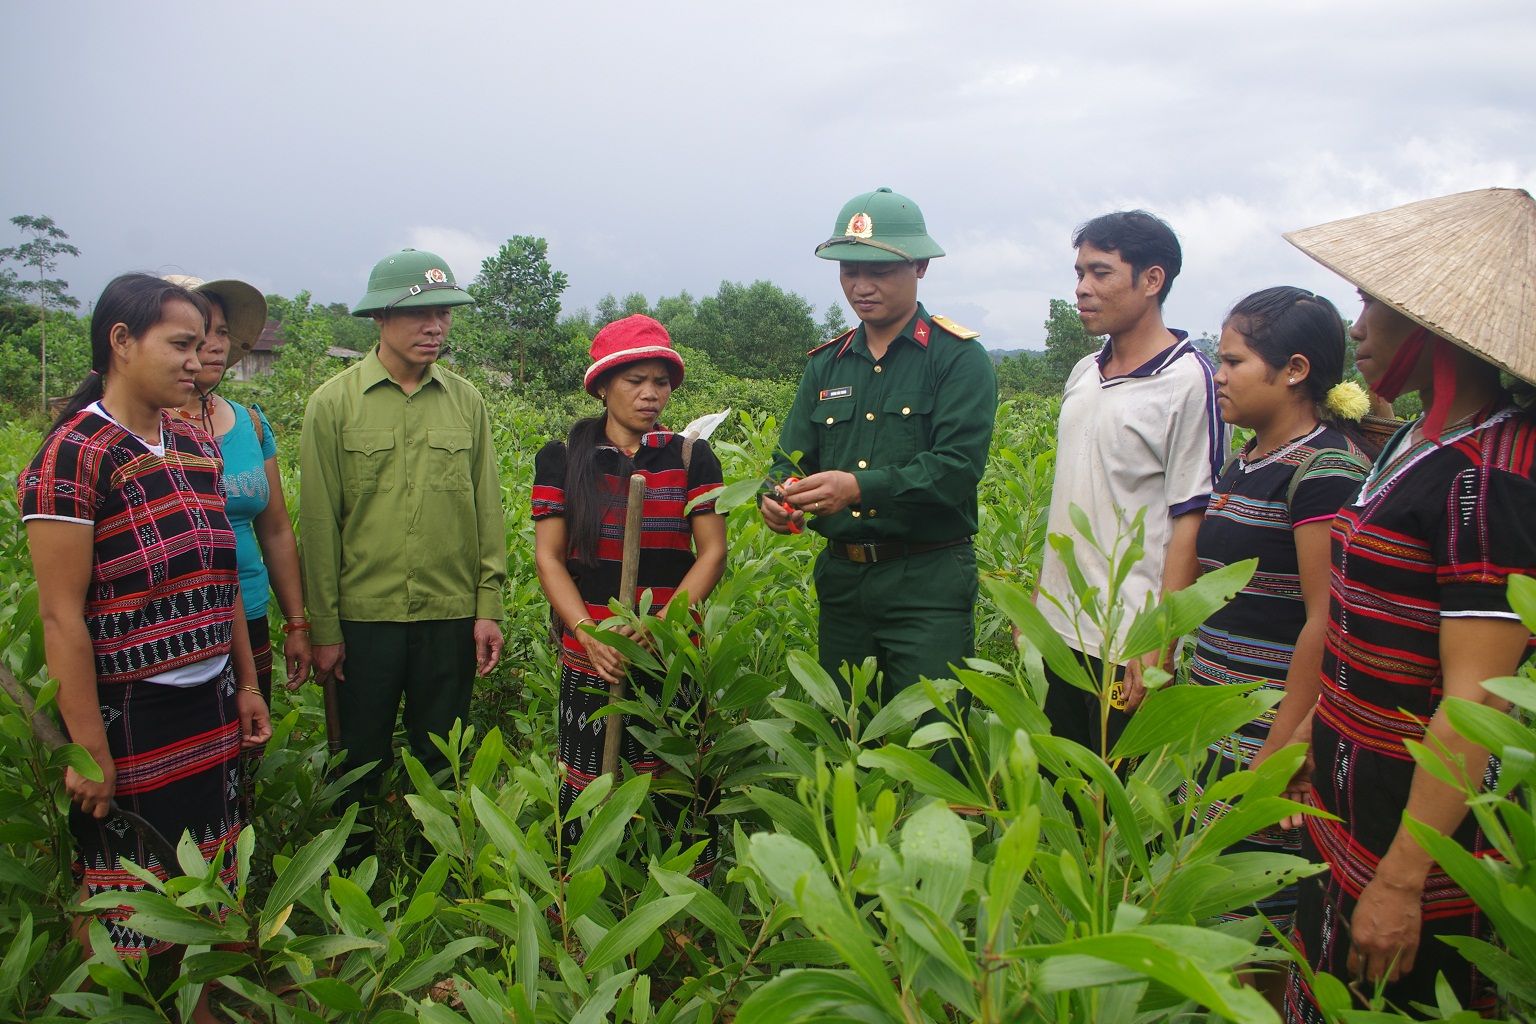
pixel 879 227
pixel 410 279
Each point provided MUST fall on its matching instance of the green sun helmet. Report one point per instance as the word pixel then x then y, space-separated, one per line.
pixel 410 278
pixel 879 227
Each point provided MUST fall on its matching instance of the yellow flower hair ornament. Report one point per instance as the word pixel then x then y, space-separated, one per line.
pixel 1348 400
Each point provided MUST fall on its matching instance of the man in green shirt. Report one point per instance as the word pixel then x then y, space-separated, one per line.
pixel 404 545
pixel 889 434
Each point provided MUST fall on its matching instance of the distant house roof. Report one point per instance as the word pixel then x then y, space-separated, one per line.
pixel 268 340
pixel 271 340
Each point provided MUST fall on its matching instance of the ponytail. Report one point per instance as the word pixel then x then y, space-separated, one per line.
pixel 90 390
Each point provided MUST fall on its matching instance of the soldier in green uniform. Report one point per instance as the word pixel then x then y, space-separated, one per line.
pixel 889 434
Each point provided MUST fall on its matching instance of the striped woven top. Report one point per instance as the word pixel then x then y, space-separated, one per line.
pixel 163 577
pixel 1253 637
pixel 1434 533
pixel 666 543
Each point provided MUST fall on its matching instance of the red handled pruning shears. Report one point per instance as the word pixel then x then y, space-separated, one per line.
pixel 789 510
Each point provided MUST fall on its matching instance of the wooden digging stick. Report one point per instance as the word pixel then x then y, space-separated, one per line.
pixel 48 735
pixel 629 572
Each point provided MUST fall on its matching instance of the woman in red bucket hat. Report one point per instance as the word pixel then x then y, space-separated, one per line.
pixel 578 510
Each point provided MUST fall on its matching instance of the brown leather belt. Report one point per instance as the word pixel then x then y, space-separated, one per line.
pixel 870 552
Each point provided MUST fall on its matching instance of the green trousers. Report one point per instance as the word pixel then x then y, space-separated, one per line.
pixel 916 615
pixel 431 664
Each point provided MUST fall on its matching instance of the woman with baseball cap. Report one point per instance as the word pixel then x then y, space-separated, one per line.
pixel 265 548
pixel 578 510
pixel 1419 609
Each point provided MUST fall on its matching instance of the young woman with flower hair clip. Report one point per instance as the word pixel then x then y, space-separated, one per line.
pixel 1281 359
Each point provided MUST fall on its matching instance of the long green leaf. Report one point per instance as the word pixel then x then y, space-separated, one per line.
pixel 435 965
pixel 603 834
pixel 1489 728
pixel 1180 612
pixel 305 869
pixel 1522 598
pixel 625 937
pixel 1190 718
pixel 1481 880
pixel 925 776
pixel 595 1009
pixel 1016 604
pixel 1108 783
pixel 796 876
pixel 530 929
pixel 1163 961
pixel 805 995
pixel 813 679
pixel 936 857
pixel 705 907
pixel 900 711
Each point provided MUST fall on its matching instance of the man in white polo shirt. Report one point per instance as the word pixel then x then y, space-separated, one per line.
pixel 1139 429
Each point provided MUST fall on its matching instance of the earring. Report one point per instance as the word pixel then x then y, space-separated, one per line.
pixel 1290 380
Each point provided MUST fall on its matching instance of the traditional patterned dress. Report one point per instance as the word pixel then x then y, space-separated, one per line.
pixel 1253 513
pixel 160 610
pixel 666 555
pixel 1435 533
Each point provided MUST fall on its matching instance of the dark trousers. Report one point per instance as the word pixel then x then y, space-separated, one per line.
pixel 582 735
pixel 1074 713
pixel 431 664
pixel 916 615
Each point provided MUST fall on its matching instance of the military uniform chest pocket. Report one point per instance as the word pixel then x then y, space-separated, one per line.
pixel 905 431
pixel 829 412
pixel 448 458
pixel 369 462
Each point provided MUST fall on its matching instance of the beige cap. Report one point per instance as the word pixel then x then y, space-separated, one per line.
pixel 1463 266
pixel 245 309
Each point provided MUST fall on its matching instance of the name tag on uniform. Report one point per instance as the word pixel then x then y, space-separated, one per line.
pixel 836 393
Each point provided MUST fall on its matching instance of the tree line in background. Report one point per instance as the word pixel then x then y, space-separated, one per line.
pixel 516 334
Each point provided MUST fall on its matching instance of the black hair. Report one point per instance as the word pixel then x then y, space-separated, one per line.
pixel 1283 321
pixel 205 398
pixel 1142 240
pixel 137 301
pixel 585 501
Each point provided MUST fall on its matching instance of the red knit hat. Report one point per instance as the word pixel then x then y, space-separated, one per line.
pixel 631 340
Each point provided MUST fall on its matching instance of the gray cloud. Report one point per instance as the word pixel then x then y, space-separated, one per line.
pixel 668 146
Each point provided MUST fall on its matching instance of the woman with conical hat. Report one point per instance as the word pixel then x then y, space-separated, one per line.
pixel 1418 608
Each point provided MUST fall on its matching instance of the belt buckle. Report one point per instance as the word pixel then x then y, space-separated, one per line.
pixel 863 553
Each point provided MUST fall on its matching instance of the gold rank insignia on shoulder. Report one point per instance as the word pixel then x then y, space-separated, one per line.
pixel 950 327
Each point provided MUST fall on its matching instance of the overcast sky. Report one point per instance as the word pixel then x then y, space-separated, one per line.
pixel 667 146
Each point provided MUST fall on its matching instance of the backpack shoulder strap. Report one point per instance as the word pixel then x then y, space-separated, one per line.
pixel 687 452
pixel 1301 471
pixel 256 425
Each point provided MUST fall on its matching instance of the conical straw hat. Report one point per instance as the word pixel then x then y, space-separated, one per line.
pixel 1464 266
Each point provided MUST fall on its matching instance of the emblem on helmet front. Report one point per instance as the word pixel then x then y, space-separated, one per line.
pixel 860 225
pixel 436 276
